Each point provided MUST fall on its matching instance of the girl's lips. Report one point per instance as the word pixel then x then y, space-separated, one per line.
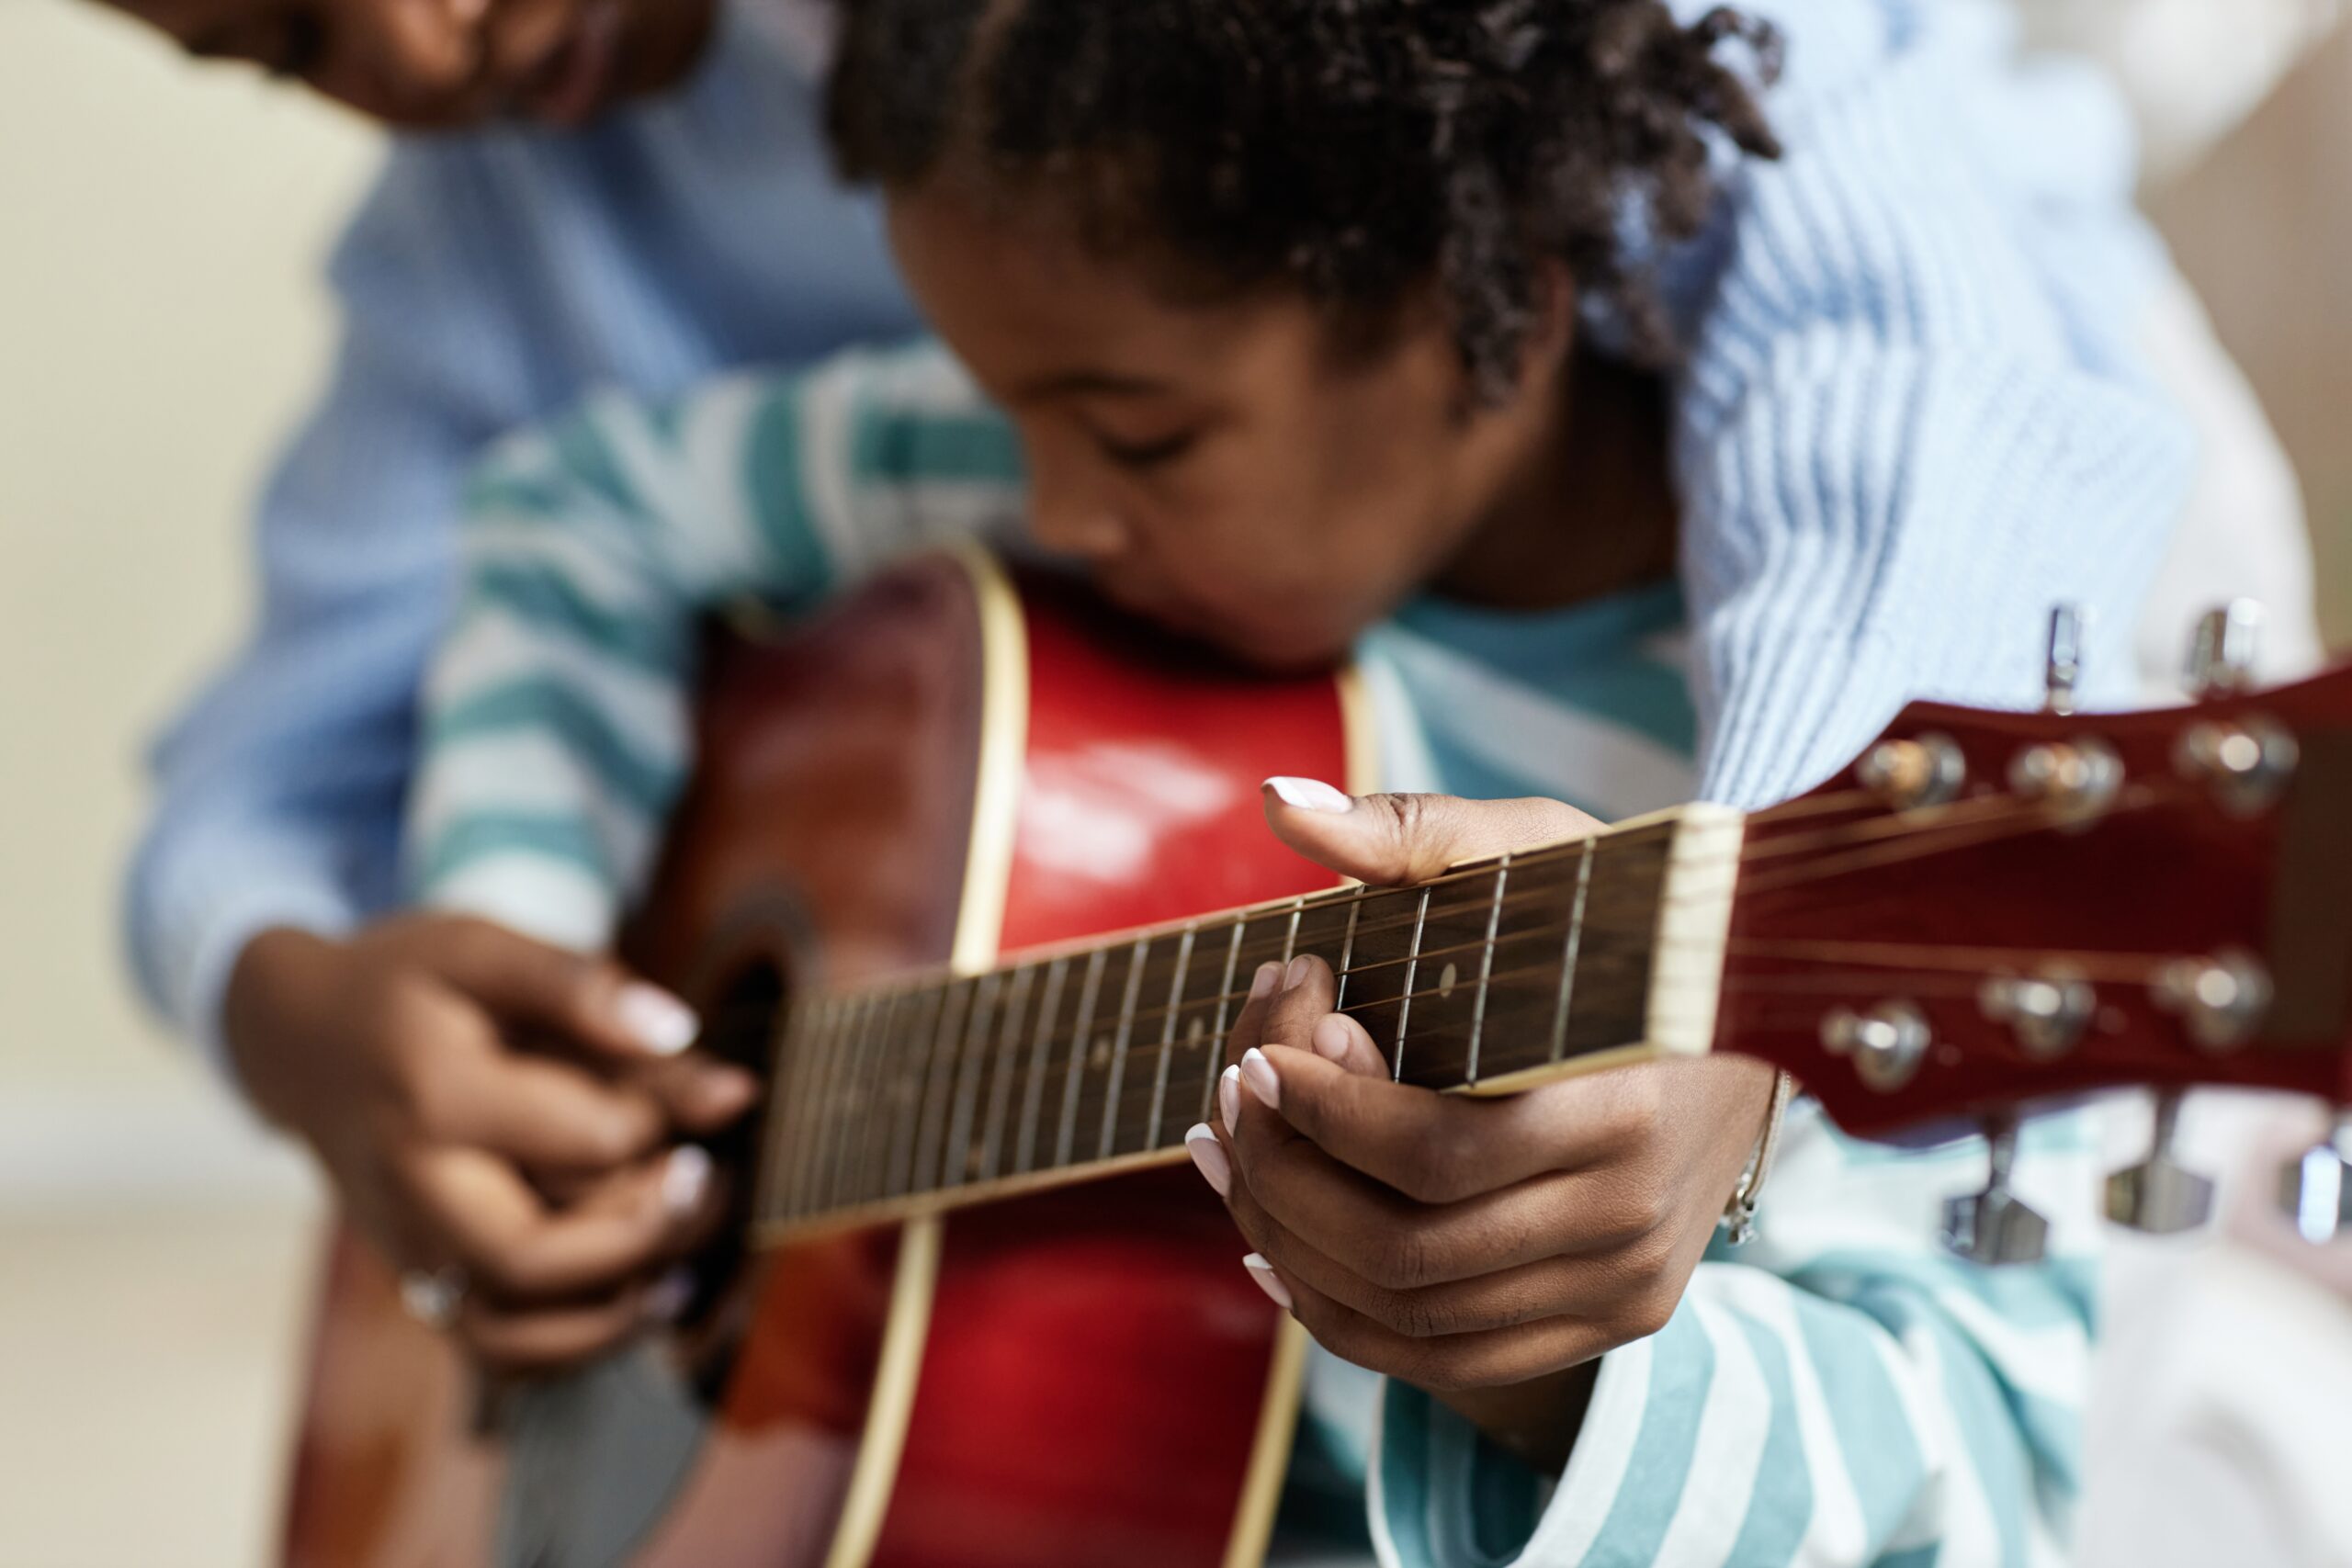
pixel 577 76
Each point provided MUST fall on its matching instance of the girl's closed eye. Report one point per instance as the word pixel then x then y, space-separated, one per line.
pixel 1154 451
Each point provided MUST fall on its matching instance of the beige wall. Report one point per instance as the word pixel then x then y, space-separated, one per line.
pixel 160 320
pixel 2263 228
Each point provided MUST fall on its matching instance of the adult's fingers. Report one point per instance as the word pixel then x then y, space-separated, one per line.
pixel 1486 1359
pixel 1396 1243
pixel 1390 839
pixel 1441 1148
pixel 518 1250
pixel 1603 1284
pixel 589 1001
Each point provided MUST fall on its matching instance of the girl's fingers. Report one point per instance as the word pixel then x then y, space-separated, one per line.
pixel 546 1113
pixel 516 1249
pixel 545 1339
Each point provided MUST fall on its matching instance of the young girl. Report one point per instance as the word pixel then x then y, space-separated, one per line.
pixel 1309 328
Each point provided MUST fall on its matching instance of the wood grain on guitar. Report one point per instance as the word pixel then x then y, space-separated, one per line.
pixel 1986 912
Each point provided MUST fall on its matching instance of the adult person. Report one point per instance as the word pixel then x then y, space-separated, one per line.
pixel 496 274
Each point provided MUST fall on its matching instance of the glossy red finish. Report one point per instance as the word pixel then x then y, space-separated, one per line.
pixel 1098 1355
pixel 1098 1358
pixel 2169 874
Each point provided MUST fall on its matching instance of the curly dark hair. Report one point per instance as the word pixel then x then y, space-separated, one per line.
pixel 1355 149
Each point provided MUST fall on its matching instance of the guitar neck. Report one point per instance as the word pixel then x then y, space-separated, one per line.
pixel 943 1089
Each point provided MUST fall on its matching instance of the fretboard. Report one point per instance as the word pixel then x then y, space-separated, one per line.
pixel 944 1089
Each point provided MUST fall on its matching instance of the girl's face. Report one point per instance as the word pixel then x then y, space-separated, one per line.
pixel 442 65
pixel 1218 469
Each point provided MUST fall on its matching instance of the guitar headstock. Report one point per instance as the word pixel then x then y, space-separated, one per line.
pixel 1992 910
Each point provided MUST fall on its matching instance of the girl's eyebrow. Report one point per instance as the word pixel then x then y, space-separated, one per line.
pixel 1065 383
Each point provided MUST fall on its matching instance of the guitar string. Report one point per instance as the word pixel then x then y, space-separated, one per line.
pixel 1227 996
pixel 1885 854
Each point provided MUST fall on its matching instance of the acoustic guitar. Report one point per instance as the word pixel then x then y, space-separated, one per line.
pixel 943 871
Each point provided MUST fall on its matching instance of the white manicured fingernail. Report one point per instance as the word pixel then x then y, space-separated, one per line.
pixel 1259 1074
pixel 1200 1142
pixel 670 1295
pixel 1263 1272
pixel 1228 1099
pixel 1310 794
pixel 685 1177
pixel 661 1022
pixel 1296 975
pixel 1262 984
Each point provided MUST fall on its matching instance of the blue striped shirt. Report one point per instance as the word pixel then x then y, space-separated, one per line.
pixel 1910 420
pixel 1836 1392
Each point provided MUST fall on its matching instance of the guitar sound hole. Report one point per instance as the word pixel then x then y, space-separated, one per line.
pixel 740 1014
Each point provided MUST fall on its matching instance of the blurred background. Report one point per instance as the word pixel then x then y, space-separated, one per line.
pixel 162 235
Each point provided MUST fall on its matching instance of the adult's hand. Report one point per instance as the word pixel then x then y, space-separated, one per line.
pixel 1453 1242
pixel 451 1075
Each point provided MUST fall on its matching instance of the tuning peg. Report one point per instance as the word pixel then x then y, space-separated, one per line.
pixel 2062 665
pixel 2316 1190
pixel 2160 1196
pixel 2222 652
pixel 1995 1226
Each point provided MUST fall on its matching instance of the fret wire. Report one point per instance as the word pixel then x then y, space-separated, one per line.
pixel 837 1136
pixel 1486 965
pixel 874 1167
pixel 1347 949
pixel 1168 1037
pixel 938 1078
pixel 970 1056
pixel 809 1117
pixel 775 1175
pixel 845 1141
pixel 1087 996
pixel 1224 995
pixel 1119 1045
pixel 1001 1090
pixel 1290 934
pixel 1040 1053
pixel 1404 1002
pixel 908 1086
pixel 1568 953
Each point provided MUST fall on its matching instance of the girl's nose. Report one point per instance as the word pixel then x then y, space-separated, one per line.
pixel 1074 524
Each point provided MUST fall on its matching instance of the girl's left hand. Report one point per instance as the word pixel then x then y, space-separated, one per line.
pixel 1453 1242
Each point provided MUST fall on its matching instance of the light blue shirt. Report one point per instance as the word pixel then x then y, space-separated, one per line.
pixel 1911 418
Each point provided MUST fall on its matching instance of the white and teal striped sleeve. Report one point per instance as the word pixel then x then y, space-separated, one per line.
pixel 1838 1391
pixel 556 712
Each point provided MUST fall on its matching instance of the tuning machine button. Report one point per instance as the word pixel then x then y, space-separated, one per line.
pixel 1996 1227
pixel 2160 1196
pixel 2315 1190
pixel 2246 763
pixel 2220 1000
pixel 1886 1044
pixel 2048 1011
pixel 2076 779
pixel 1927 769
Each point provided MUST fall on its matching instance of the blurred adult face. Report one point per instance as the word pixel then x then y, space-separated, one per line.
pixel 445 64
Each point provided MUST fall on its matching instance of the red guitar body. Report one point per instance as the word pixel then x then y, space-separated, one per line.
pixel 947 766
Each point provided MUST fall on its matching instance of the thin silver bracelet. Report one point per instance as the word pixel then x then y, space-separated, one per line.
pixel 1739 1216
